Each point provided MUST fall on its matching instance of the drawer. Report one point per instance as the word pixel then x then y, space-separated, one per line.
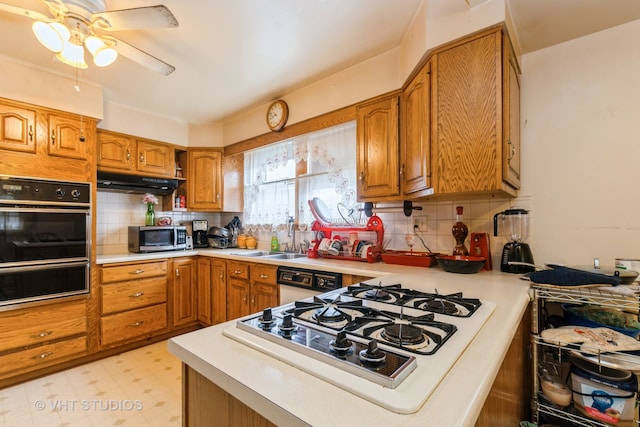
pixel 264 273
pixel 119 273
pixel 133 294
pixel 42 356
pixel 132 324
pixel 238 270
pixel 42 324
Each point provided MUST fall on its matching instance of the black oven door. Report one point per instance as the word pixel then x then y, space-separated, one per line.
pixel 31 235
pixel 45 281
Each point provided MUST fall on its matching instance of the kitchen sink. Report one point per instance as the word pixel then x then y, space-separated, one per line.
pixel 286 255
pixel 271 255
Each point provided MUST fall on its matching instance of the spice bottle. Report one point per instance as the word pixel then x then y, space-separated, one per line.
pixel 460 232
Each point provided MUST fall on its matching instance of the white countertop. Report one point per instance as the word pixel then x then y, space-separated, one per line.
pixel 288 396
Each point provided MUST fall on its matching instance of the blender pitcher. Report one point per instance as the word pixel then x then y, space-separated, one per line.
pixel 514 224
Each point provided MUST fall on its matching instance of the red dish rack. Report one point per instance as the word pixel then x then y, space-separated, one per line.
pixel 374 224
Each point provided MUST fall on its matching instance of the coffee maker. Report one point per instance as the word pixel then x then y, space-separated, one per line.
pixel 514 224
pixel 199 229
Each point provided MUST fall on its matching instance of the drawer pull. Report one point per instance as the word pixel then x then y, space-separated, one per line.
pixel 43 355
pixel 138 271
pixel 264 276
pixel 136 295
pixel 237 272
pixel 138 323
pixel 42 334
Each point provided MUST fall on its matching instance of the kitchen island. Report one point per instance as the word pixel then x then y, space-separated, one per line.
pixel 287 396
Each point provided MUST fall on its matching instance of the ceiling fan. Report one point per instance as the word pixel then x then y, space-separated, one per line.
pixel 75 23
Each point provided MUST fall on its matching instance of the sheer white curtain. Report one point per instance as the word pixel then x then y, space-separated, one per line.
pixel 320 164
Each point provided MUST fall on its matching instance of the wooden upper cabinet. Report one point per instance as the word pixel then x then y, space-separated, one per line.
pixel 469 152
pixel 377 148
pixel 233 173
pixel 115 151
pixel 156 158
pixel 125 153
pixel 204 179
pixel 415 147
pixel 17 128
pixel 70 136
pixel 511 95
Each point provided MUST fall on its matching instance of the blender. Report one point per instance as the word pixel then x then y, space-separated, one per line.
pixel 514 224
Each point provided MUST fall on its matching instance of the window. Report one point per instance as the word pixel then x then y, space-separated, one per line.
pixel 281 178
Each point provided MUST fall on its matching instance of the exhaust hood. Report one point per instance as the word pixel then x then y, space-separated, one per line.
pixel 136 184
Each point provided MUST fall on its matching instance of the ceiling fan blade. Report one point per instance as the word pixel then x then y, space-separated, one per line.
pixel 135 19
pixel 143 58
pixel 24 12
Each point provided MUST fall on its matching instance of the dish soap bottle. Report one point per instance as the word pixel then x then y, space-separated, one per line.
pixel 275 245
pixel 459 231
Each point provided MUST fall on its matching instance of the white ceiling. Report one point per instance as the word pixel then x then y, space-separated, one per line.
pixel 231 55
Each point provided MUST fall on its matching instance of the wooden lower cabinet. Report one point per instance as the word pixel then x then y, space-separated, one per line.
pixel 509 400
pixel 183 292
pixel 31 339
pixel 206 404
pixel 211 291
pixel 133 324
pixel 250 288
pixel 133 301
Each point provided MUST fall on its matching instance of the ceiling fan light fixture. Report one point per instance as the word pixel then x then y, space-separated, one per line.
pixel 102 53
pixel 52 36
pixel 73 55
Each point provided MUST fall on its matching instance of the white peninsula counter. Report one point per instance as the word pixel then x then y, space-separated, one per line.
pixel 287 396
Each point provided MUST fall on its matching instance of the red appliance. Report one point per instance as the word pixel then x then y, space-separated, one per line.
pixel 479 246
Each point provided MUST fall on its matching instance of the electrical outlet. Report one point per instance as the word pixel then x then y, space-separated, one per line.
pixel 420 224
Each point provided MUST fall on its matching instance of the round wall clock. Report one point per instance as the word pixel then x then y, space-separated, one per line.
pixel 277 115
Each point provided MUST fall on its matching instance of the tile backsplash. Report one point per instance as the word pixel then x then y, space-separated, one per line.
pixel 116 211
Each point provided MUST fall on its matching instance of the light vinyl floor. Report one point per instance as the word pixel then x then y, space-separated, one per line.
pixel 138 388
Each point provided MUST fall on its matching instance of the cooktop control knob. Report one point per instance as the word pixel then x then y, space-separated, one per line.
pixel 75 193
pixel 341 345
pixel 372 354
pixel 287 326
pixel 267 318
pixel 60 192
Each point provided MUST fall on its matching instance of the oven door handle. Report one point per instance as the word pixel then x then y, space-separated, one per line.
pixel 42 266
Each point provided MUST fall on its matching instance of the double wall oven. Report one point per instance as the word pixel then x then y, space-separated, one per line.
pixel 45 240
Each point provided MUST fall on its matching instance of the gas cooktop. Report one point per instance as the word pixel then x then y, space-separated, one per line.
pixel 365 336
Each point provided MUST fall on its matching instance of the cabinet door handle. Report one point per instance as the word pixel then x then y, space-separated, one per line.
pixel 136 295
pixel 136 324
pixel 244 298
pixel 141 158
pixel 42 334
pixel 401 170
pixel 177 273
pixel 138 271
pixel 53 137
pixel 362 176
pixel 253 300
pixel 128 155
pixel 218 196
pixel 30 132
pixel 43 355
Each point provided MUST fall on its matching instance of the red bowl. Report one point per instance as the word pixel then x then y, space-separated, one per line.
pixel 461 263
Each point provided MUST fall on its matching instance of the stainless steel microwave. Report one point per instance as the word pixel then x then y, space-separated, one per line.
pixel 157 238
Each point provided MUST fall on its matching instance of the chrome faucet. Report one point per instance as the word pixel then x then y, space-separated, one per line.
pixel 291 233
